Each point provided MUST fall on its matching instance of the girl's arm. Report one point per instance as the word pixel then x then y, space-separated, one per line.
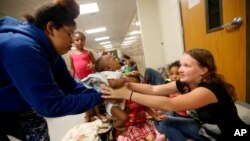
pixel 163 89
pixel 72 68
pixel 92 58
pixel 91 65
pixel 197 98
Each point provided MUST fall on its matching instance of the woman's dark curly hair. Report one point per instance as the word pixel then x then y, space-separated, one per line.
pixel 61 12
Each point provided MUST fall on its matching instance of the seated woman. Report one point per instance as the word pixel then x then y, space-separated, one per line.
pixel 203 90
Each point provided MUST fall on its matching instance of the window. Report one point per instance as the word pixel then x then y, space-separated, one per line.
pixel 213 15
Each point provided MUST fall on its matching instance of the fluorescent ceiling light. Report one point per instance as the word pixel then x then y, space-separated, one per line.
pixel 125 44
pixel 95 30
pixel 130 38
pixel 108 46
pixel 89 8
pixel 137 23
pixel 103 43
pixel 134 32
pixel 129 41
pixel 102 38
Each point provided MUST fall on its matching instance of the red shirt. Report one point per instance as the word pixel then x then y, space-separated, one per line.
pixel 136 114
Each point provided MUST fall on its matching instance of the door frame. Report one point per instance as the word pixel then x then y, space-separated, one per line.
pixel 248 51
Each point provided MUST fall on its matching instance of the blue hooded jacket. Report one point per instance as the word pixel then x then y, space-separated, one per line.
pixel 34 76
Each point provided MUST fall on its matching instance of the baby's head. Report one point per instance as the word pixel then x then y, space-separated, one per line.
pixel 107 63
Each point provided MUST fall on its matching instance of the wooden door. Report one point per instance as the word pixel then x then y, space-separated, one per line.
pixel 227 46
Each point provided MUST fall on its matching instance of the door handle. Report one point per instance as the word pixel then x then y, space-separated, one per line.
pixel 235 23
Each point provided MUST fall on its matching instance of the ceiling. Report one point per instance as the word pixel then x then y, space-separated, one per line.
pixel 115 15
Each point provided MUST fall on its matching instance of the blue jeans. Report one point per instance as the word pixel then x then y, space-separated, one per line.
pixel 178 128
pixel 153 77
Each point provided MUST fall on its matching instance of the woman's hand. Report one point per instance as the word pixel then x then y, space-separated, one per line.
pixel 109 93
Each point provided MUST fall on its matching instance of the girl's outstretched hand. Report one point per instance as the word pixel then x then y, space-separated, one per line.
pixel 109 93
pixel 106 91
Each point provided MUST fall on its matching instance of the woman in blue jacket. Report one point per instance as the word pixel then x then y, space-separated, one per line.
pixel 34 80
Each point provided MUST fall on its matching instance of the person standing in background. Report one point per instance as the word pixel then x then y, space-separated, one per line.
pixel 82 61
pixel 34 79
pixel 82 64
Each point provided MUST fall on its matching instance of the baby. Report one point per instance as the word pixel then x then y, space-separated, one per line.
pixel 110 67
pixel 108 73
pixel 129 118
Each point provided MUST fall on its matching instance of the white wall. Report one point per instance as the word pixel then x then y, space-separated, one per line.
pixel 161 31
pixel 150 33
pixel 172 35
